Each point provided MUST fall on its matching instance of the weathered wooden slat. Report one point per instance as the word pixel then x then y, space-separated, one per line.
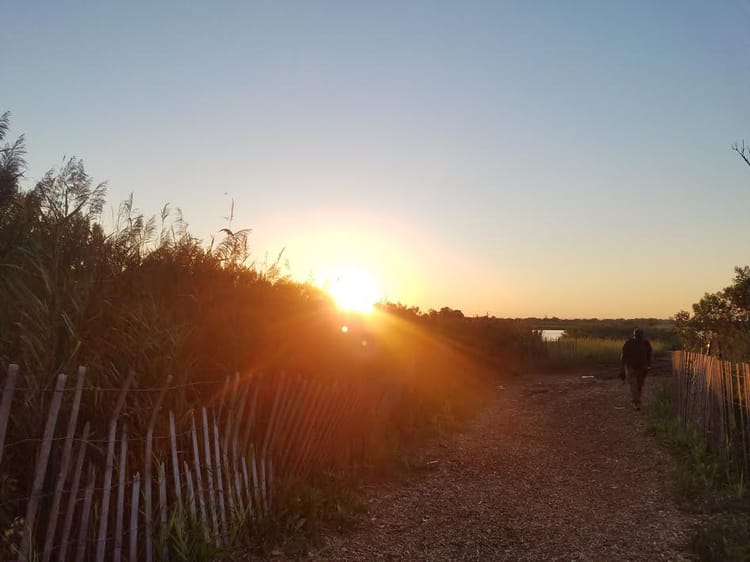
pixel 162 475
pixel 288 400
pixel 231 412
pixel 317 435
pixel 239 502
pixel 312 423
pixel 264 483
pixel 263 493
pixel 198 475
pixel 270 483
pixel 257 500
pixel 73 496
pixel 222 399
pixel 219 480
pixel 175 463
pixel 210 478
pixel 6 400
pixel 148 508
pixel 235 438
pixel 288 416
pixel 248 490
pixel 121 478
pixel 190 491
pixel 64 466
pixel 134 501
pixel 101 540
pixel 251 417
pixel 289 447
pixel 279 395
pixel 228 431
pixel 83 529
pixel 41 468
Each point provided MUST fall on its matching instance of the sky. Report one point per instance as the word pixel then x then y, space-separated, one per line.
pixel 519 158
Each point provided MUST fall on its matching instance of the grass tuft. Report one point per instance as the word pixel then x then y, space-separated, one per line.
pixel 704 483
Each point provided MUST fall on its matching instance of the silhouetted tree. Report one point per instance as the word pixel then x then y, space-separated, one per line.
pixel 720 321
pixel 12 163
pixel 743 150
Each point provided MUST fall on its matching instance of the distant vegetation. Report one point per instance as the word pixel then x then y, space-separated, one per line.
pixel 720 322
pixel 655 329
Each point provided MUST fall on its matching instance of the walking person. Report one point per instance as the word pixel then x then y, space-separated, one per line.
pixel 634 364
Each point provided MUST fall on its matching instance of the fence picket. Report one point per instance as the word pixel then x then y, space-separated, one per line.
pixel 120 514
pixel 220 480
pixel 250 499
pixel 101 541
pixel 198 477
pixel 162 476
pixel 175 463
pixel 260 429
pixel 83 529
pixel 229 430
pixel 148 513
pixel 714 396
pixel 235 456
pixel 64 466
pixel 190 491
pixel 73 497
pixel 210 478
pixel 256 495
pixel 134 500
pixel 41 468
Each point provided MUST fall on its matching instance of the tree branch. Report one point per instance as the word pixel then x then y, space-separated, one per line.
pixel 743 150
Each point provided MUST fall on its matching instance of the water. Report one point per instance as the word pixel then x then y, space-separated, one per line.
pixel 552 335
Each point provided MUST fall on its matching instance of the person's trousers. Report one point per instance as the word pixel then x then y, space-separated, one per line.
pixel 635 379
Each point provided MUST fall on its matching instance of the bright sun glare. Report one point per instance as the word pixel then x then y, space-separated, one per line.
pixel 354 290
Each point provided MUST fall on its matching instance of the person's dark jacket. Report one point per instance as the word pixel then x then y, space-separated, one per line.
pixel 636 353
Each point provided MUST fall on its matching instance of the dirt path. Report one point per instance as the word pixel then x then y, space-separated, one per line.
pixel 555 468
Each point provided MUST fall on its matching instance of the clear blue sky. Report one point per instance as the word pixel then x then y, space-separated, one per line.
pixel 516 158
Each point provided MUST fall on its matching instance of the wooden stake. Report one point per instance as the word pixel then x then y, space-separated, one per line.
pixel 120 514
pixel 219 481
pixel 41 468
pixel 73 497
pixel 148 509
pixel 83 530
pixel 162 475
pixel 190 491
pixel 175 463
pixel 134 500
pixel 101 541
pixel 198 476
pixel 210 478
pixel 250 500
pixel 64 466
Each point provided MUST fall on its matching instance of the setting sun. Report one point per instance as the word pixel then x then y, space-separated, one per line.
pixel 353 289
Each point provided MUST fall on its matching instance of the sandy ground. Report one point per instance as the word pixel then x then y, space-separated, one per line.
pixel 556 467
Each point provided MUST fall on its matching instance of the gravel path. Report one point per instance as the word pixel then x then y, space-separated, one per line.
pixel 555 468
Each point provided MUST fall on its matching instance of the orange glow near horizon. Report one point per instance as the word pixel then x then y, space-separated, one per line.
pixel 353 289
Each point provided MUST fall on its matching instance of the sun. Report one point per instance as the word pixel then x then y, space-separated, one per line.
pixel 353 289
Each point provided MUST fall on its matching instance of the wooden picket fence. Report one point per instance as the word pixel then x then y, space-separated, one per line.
pixel 215 466
pixel 714 396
